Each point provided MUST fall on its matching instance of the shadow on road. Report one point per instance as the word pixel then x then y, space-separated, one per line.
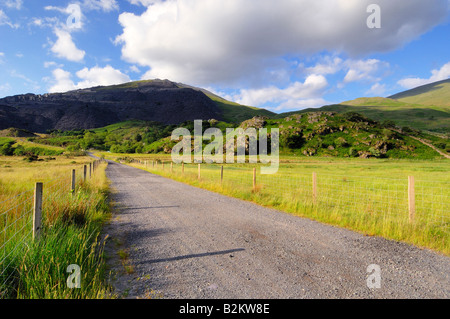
pixel 223 252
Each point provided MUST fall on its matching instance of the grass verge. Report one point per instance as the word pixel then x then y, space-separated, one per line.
pixel 72 222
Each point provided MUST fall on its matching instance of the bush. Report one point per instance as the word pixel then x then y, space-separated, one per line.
pixel 31 157
pixel 340 142
pixel 352 152
pixel 7 149
pixel 19 151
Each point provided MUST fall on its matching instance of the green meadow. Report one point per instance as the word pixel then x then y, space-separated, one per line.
pixel 366 195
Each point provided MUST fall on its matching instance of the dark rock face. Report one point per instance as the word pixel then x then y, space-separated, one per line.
pixel 160 101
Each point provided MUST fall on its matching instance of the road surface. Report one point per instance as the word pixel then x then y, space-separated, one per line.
pixel 186 242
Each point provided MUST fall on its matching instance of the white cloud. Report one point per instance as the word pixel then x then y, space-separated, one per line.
pixel 135 69
pixel 45 22
pixel 4 20
pixel 363 70
pixel 5 88
pixel 296 96
pixel 13 4
pixel 52 64
pixel 377 89
pixel 104 5
pixel 221 42
pixel 329 65
pixel 92 77
pixel 142 2
pixel 63 81
pixel 101 76
pixel 436 75
pixel 65 48
pixel 27 81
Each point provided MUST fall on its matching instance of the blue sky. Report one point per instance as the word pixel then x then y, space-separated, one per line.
pixel 282 55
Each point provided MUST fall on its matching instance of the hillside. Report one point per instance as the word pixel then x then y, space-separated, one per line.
pixel 424 108
pixel 437 93
pixel 325 134
pixel 232 112
pixel 160 101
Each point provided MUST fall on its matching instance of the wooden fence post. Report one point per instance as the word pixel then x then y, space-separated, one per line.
pixel 199 171
pixel 73 182
pixel 90 170
pixel 314 186
pixel 221 175
pixel 411 198
pixel 37 210
pixel 84 172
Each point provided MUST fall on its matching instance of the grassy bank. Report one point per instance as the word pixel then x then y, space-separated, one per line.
pixel 368 196
pixel 70 232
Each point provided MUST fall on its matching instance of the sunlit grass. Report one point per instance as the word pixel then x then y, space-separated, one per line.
pixel 369 196
pixel 70 234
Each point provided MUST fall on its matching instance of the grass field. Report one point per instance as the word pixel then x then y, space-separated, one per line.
pixel 70 232
pixel 369 196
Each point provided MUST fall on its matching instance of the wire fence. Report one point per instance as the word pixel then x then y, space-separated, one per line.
pixel 18 215
pixel 387 205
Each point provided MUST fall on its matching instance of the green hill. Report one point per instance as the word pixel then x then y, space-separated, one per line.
pixel 424 108
pixel 437 93
pixel 325 134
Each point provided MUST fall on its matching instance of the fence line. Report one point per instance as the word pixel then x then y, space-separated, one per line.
pixel 390 202
pixel 21 215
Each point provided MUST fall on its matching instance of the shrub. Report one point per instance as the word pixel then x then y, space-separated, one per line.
pixel 7 149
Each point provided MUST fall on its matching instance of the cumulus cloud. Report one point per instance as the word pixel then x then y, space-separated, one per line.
pixel 329 65
pixel 359 70
pixel 101 76
pixel 298 95
pixel 218 42
pixel 436 75
pixel 63 81
pixel 92 77
pixel 65 48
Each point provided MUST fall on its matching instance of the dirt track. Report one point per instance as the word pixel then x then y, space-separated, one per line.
pixel 186 242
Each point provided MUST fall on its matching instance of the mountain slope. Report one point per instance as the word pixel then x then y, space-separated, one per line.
pixel 437 93
pixel 232 112
pixel 160 101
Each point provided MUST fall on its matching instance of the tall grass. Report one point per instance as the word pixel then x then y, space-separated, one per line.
pixel 366 196
pixel 70 234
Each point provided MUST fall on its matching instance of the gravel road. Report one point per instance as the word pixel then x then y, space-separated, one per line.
pixel 189 243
